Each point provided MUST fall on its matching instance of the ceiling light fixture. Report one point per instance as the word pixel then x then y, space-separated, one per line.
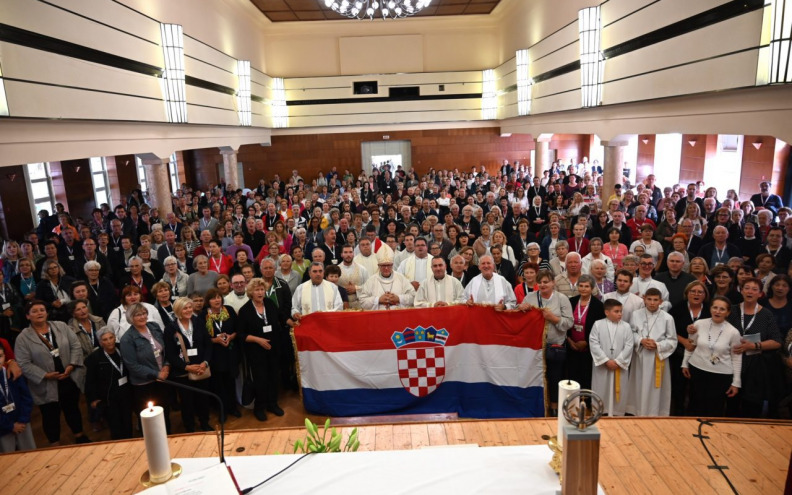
pixel 369 9
pixel 758 143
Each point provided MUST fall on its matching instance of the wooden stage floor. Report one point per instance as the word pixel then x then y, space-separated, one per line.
pixel 639 455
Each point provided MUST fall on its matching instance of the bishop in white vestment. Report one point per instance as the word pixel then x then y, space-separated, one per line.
pixel 387 289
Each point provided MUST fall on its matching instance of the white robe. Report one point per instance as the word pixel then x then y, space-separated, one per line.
pixel 310 298
pixel 640 286
pixel 368 262
pixel 630 302
pixel 356 275
pixel 644 398
pixel 602 379
pixel 376 286
pixel 416 269
pixel 610 271
pixel 495 290
pixel 448 290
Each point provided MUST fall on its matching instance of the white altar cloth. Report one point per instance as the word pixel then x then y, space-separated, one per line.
pixel 446 470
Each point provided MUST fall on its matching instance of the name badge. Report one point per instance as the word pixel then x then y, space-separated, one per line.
pixel 9 408
pixel 156 353
pixel 266 329
pixel 192 352
pixel 579 328
pixel 71 258
pixel 173 298
pixel 122 381
pixel 335 261
pixel 6 306
pixel 55 352
pixel 116 249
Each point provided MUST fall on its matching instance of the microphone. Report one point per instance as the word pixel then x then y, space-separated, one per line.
pixel 221 443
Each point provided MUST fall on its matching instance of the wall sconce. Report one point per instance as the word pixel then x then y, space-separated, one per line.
pixel 11 177
pixel 692 142
pixel 76 168
pixel 757 144
pixel 645 140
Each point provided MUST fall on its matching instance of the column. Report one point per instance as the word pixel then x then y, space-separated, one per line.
pixel 231 172
pixel 611 168
pixel 544 158
pixel 158 182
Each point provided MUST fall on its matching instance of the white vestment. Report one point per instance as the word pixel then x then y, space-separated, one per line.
pixel 368 262
pixel 491 291
pixel 356 275
pixel 236 302
pixel 377 285
pixel 448 289
pixel 630 302
pixel 641 285
pixel 416 269
pixel 310 298
pixel 645 398
pixel 608 341
pixel 610 271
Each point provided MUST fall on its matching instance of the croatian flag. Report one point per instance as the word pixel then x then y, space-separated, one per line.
pixel 473 361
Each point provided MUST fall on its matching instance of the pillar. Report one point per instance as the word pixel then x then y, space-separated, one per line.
pixel 230 169
pixel 158 182
pixel 544 157
pixel 612 168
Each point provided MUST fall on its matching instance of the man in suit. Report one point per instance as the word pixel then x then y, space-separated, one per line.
pixel 536 190
pixel 682 204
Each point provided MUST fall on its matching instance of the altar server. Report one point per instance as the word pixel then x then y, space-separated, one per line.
pixel 654 340
pixel 611 343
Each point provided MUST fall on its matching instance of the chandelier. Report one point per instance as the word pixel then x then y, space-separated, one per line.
pixel 387 9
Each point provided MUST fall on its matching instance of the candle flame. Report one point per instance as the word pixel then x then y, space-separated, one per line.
pixel 151 406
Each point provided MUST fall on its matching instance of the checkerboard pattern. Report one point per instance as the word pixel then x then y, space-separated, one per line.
pixel 421 370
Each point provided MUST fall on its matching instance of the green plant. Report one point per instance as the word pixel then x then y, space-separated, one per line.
pixel 313 443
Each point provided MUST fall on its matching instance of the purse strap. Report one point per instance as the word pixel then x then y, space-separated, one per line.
pixel 183 348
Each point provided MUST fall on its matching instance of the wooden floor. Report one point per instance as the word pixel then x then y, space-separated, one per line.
pixel 639 455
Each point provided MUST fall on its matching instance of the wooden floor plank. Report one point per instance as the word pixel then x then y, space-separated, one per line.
pixel 23 467
pixel 419 436
pixel 437 436
pixel 383 438
pixel 402 439
pixel 454 433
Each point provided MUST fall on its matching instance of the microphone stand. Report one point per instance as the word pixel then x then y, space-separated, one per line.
pixel 221 442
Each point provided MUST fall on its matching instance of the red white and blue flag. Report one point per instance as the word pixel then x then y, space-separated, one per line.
pixel 473 361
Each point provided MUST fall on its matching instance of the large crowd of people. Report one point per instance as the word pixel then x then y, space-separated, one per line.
pixel 671 300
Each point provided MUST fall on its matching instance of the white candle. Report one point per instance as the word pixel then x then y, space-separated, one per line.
pixel 156 439
pixel 565 389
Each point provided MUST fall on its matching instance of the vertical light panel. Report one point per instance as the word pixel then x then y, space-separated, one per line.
pixel 489 96
pixel 592 62
pixel 3 100
pixel 243 93
pixel 280 112
pixel 173 89
pixel 781 42
pixel 524 84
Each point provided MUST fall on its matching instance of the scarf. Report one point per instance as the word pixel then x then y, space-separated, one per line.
pixel 212 318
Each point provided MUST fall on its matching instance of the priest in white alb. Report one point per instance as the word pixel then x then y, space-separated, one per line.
pixel 654 340
pixel 386 289
pixel 440 289
pixel 366 258
pixel 417 266
pixel 490 288
pixel 316 295
pixel 353 275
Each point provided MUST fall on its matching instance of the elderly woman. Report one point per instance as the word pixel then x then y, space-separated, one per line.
pixel 202 279
pixel 101 291
pixel 52 361
pixel 685 315
pixel 189 350
pixel 107 387
pixel 185 262
pixel 118 321
pixel 175 278
pixel 163 303
pixel 220 322
pixel 26 280
pixel 259 326
pixel 85 326
pixel 287 274
pixel 598 269
pixel 557 312
pixel 143 353
pixel 139 278
pixel 53 290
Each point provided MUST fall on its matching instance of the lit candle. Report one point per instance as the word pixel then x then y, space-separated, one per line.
pixel 156 439
pixel 565 389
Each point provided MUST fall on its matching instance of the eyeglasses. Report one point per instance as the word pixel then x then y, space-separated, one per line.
pixel 646 264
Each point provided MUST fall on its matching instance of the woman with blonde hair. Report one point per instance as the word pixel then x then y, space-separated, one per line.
pixel 693 213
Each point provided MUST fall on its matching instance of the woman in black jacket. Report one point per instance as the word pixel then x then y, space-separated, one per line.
pixel 220 322
pixel 189 350
pixel 586 309
pixel 53 289
pixel 107 385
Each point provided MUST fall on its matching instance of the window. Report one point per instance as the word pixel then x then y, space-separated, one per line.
pixel 489 97
pixel 523 83
pixel 668 157
pixel 141 175
pixel 101 184
pixel 173 169
pixel 173 85
pixel 39 183
pixel 243 94
pixel 592 62
pixel 723 171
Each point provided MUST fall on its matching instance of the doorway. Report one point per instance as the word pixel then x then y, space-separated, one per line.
pixel 240 174
pixel 375 154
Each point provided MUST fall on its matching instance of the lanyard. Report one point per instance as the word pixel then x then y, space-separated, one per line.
pixel 90 334
pixel 539 299
pixel 581 315
pixel 94 289
pixel 120 368
pixel 5 389
pixel 647 325
pixel 742 319
pixel 217 265
pixel 263 314
pixel 188 332
pixel 711 344
pixel 28 285
pixel 694 318
pixel 720 253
